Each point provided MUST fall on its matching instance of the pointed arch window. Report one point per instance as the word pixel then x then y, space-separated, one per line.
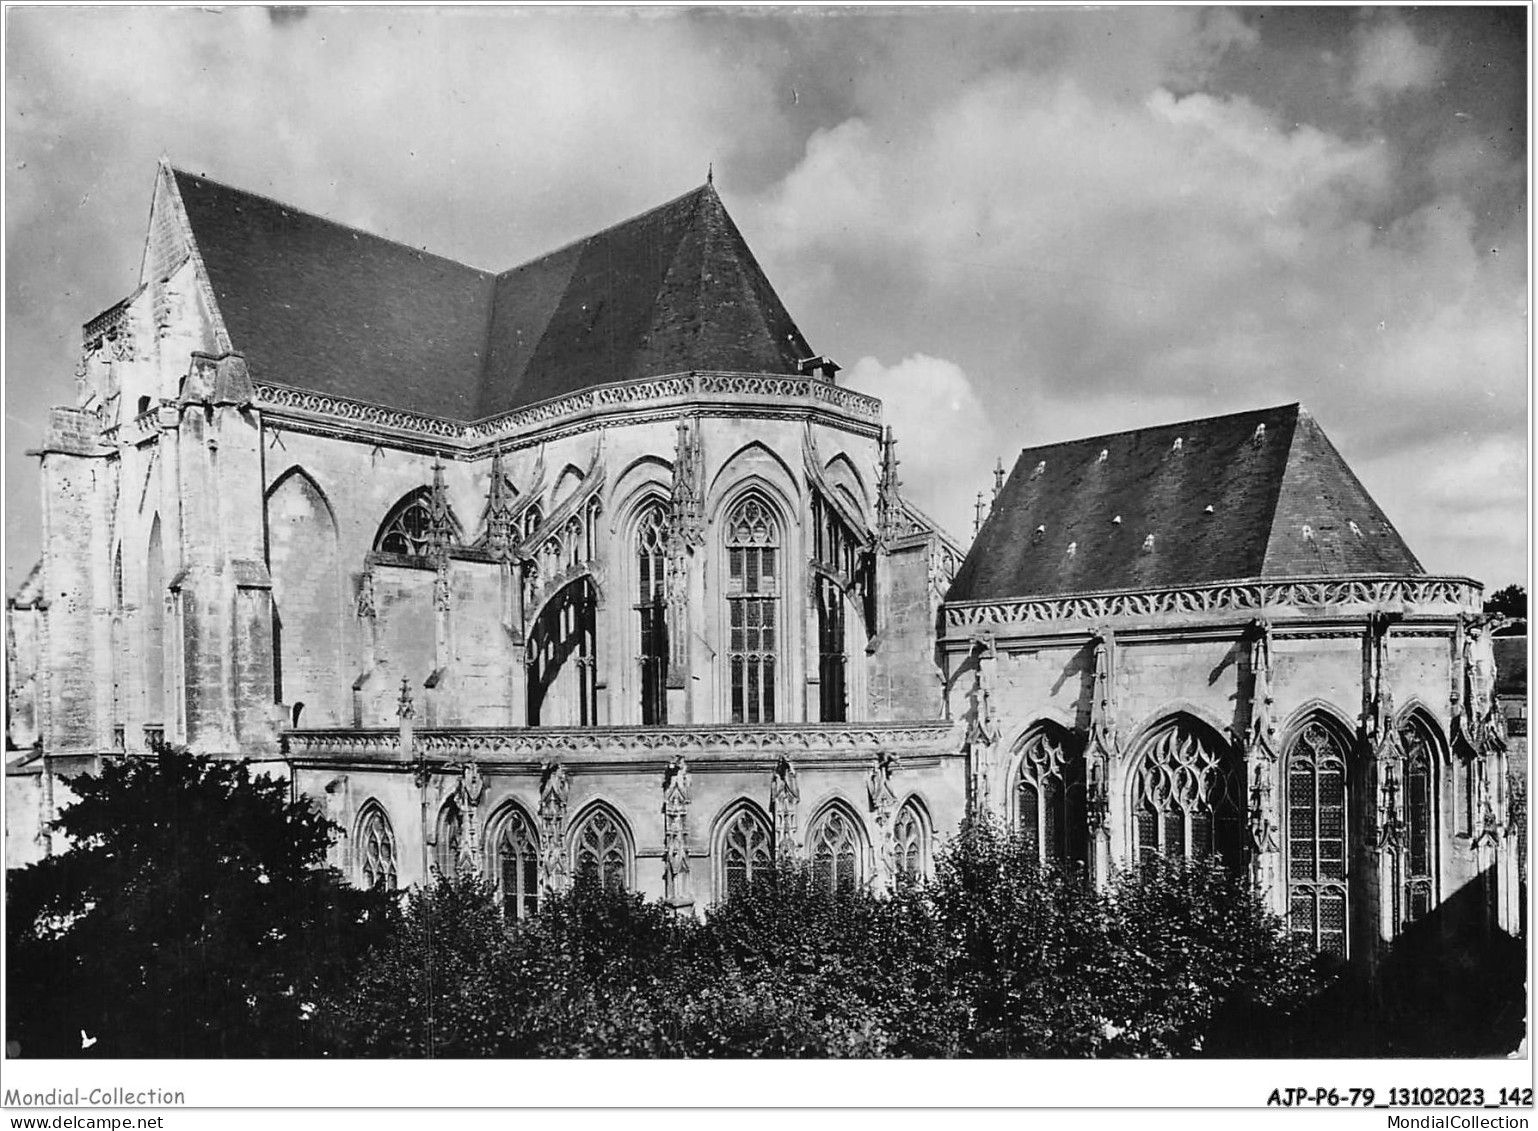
pixel 1049 797
pixel 602 851
pixel 1420 820
pixel 562 659
pixel 651 606
pixel 450 839
pixel 376 850
pixel 908 843
pixel 747 851
pixel 406 528
pixel 1317 847
pixel 752 595
pixel 837 864
pixel 517 866
pixel 1186 796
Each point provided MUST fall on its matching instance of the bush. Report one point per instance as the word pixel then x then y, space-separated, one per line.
pixel 190 918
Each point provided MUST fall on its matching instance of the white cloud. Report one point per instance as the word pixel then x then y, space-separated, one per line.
pixel 945 436
pixel 1391 61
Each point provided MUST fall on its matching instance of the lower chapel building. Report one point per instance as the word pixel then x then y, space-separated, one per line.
pixel 592 564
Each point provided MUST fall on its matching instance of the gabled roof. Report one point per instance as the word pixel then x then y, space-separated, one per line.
pixel 321 306
pixel 1253 495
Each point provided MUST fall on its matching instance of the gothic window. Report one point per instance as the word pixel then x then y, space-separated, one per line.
pixel 835 551
pixel 531 520
pixel 376 850
pixel 405 529
pixel 602 851
pixel 1049 797
pixel 562 659
pixel 835 851
pixel 1316 839
pixel 908 843
pixel 1420 821
pixel 517 864
pixel 752 595
pixel 747 851
pixel 1186 796
pixel 451 831
pixel 651 607
pixel 831 660
pixel 154 628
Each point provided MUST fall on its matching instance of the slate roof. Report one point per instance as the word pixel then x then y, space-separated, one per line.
pixel 1282 504
pixel 321 306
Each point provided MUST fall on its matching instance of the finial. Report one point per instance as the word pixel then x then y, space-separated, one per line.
pixel 710 173
pixel 977 520
pixel 998 477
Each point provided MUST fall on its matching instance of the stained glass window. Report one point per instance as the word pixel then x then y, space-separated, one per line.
pixel 602 852
pixel 1317 890
pixel 908 843
pixel 1050 797
pixel 747 851
pixel 651 604
pixel 376 850
pixel 1420 821
pixel 451 828
pixel 835 844
pixel 405 529
pixel 517 876
pixel 1186 796
pixel 752 593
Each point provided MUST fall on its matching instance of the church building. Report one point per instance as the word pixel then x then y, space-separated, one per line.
pixel 592 565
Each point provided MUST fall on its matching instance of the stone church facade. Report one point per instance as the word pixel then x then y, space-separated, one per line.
pixel 593 565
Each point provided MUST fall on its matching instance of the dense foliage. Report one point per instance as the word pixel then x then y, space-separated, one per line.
pixel 189 918
pixel 996 957
pixel 1510 601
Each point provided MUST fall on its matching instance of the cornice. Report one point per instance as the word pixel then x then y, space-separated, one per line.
pixel 752 745
pixel 629 402
pixel 1336 596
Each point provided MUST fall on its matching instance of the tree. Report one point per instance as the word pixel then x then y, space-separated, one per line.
pixel 190 917
pixel 1510 601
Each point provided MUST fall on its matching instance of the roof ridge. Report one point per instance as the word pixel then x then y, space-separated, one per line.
pixel 1167 424
pixel 579 240
pixel 343 225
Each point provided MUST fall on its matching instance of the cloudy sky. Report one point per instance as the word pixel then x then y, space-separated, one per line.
pixel 1015 226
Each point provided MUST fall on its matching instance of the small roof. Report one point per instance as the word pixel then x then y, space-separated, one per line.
pixel 322 306
pixel 1260 494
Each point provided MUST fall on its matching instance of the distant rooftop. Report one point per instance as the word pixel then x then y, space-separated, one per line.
pixel 1260 494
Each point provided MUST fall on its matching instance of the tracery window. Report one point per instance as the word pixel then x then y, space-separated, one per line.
pixel 835 845
pixel 1317 891
pixel 517 863
pixel 836 553
pixel 908 843
pixel 563 659
pixel 752 595
pixel 405 529
pixel 602 850
pixel 651 606
pixel 747 851
pixel 451 831
pixel 1186 796
pixel 376 850
pixel 1049 797
pixel 832 662
pixel 1420 821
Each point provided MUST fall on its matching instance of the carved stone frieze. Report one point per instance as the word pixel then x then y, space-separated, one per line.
pixel 1400 592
